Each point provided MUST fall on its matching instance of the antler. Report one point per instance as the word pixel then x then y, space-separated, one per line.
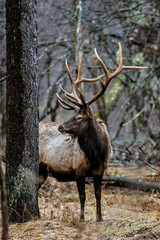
pixel 73 97
pixel 109 76
pixel 79 101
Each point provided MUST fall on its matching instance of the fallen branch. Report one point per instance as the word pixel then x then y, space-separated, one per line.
pixel 131 184
pixel 150 165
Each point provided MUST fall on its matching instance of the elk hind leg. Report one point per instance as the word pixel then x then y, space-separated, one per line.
pixel 43 173
pixel 80 180
pixel 97 188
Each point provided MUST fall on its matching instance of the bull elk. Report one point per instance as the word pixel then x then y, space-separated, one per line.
pixel 81 146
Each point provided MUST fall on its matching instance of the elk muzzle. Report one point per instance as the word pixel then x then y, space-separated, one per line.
pixel 60 128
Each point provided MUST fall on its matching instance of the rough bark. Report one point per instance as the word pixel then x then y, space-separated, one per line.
pixel 22 110
pixel 2 112
pixel 4 208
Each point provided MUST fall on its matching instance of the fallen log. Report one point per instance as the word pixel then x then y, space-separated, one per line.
pixel 131 184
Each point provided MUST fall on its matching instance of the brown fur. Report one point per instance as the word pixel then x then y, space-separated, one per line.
pixel 61 152
pixel 77 148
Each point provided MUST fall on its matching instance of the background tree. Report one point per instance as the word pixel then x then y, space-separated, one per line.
pixel 77 11
pixel 22 111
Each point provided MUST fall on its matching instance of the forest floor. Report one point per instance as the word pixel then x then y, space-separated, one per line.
pixel 127 214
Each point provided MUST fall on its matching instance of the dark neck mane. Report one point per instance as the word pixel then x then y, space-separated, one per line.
pixel 94 142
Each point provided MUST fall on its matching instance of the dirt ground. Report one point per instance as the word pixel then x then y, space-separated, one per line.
pixel 127 214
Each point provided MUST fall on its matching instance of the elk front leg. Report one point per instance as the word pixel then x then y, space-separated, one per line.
pixel 80 180
pixel 97 188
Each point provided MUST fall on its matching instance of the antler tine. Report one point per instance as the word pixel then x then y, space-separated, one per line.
pixel 72 97
pixel 109 76
pixel 62 102
pixel 69 73
pixel 66 93
pixel 73 101
pixel 82 79
pixel 121 66
pixel 92 79
pixel 67 108
pixel 97 78
pixel 73 84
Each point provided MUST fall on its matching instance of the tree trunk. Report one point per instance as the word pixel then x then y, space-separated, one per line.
pixel 22 164
pixel 77 10
pixel 2 111
pixel 4 208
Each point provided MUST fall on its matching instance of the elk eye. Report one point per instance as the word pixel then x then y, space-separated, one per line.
pixel 78 119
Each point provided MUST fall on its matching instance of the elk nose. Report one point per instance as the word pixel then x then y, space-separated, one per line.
pixel 60 128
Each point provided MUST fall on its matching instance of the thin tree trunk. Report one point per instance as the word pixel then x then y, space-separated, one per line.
pixel 4 207
pixel 22 164
pixel 77 9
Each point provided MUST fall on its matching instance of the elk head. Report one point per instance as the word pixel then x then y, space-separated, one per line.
pixel 78 123
pixel 83 113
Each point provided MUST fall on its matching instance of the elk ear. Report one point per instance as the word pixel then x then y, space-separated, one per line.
pixel 89 111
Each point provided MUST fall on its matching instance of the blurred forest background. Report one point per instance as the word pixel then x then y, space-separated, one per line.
pixel 131 106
